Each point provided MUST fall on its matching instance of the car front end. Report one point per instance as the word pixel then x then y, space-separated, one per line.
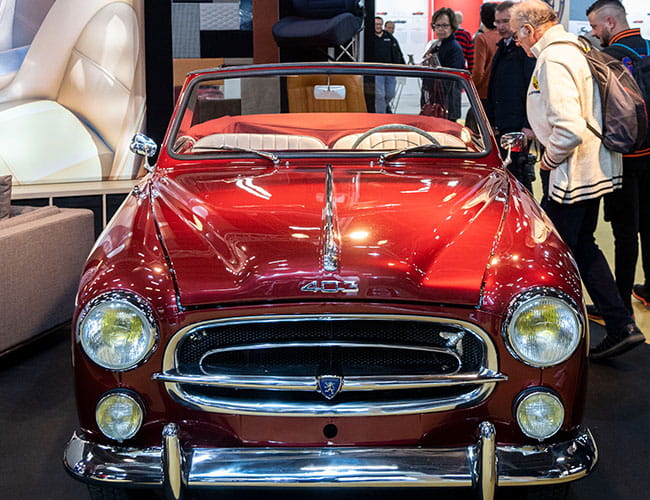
pixel 362 315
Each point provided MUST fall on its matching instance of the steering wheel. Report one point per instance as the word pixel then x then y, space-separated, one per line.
pixel 396 126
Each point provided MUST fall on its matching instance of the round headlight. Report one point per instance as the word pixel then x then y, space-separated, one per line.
pixel 117 332
pixel 540 415
pixel 544 331
pixel 119 416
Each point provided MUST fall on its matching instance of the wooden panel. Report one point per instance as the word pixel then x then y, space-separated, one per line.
pixel 183 66
pixel 265 15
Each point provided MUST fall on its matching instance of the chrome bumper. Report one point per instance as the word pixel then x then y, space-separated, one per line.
pixel 481 466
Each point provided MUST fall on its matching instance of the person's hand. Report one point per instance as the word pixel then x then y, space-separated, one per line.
pixel 530 135
pixel 543 165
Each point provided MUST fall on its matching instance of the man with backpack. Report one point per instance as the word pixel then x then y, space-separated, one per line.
pixel 627 209
pixel 577 169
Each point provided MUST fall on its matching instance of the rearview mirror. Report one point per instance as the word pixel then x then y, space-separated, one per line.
pixel 329 92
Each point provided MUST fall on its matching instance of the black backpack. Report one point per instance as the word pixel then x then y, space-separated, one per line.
pixel 639 66
pixel 625 119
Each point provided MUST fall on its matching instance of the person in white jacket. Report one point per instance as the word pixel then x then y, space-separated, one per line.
pixel 577 170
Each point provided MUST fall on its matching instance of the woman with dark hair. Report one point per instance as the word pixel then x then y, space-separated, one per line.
pixel 485 45
pixel 439 97
pixel 445 50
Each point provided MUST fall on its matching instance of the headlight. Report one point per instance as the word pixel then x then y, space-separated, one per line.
pixel 543 330
pixel 117 331
pixel 119 416
pixel 540 414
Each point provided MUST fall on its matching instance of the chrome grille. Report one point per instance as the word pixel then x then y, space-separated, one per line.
pixel 386 364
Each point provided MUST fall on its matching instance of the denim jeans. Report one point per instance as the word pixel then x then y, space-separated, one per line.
pixel 385 88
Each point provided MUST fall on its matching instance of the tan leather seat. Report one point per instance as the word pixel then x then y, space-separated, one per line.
pixel 267 142
pixel 390 140
pixel 70 110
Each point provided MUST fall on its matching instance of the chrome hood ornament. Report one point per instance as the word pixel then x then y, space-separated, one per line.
pixel 331 240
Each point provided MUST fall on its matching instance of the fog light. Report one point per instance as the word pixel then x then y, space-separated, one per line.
pixel 540 415
pixel 119 416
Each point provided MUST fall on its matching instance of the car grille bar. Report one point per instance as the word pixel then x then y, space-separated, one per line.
pixel 351 383
pixel 330 365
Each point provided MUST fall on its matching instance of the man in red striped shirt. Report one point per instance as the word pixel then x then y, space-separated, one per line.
pixel 464 39
pixel 627 209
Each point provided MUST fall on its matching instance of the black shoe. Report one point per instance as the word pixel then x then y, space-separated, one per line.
pixel 593 313
pixel 641 293
pixel 614 345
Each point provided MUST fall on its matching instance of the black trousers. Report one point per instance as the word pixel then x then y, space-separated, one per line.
pixel 576 223
pixel 628 210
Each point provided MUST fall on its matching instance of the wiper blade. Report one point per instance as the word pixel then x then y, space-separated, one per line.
pixel 383 158
pixel 227 147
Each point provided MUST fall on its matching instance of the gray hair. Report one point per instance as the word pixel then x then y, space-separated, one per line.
pixel 534 12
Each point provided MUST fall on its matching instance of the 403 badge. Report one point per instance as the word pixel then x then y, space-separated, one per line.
pixel 331 286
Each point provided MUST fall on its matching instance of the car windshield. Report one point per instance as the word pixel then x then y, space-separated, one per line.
pixel 339 110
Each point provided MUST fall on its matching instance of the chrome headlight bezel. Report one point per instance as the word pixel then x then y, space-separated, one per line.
pixel 527 299
pixel 536 392
pixel 135 403
pixel 140 307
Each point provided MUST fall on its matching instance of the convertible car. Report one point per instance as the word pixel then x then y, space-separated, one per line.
pixel 309 289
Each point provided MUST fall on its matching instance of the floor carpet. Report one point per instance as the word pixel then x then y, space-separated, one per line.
pixel 37 415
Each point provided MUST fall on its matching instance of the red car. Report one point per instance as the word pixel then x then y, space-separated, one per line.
pixel 307 290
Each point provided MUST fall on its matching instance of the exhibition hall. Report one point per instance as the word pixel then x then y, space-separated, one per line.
pixel 328 248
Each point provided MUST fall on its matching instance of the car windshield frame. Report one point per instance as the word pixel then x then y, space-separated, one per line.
pixel 360 69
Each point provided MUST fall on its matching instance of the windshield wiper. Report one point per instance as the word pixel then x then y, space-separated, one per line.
pixel 383 158
pixel 226 147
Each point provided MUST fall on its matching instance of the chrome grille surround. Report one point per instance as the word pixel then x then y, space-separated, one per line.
pixel 360 395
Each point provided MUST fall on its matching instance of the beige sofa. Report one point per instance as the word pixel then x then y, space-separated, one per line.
pixel 42 251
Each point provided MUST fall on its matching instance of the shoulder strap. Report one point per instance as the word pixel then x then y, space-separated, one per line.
pixel 638 56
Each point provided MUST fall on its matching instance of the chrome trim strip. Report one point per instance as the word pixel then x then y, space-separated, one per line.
pixel 352 409
pixel 360 383
pixel 343 345
pixel 330 227
pixel 336 466
pixel 399 407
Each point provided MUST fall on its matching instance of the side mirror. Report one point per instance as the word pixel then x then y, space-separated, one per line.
pixel 512 141
pixel 143 146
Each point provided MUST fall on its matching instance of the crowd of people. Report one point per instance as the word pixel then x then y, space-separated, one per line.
pixel 532 77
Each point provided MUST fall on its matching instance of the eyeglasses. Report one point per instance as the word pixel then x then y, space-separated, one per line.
pixel 517 35
pixel 440 26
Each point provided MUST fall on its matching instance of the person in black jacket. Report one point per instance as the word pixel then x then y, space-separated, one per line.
pixel 508 84
pixel 386 50
pixel 446 52
pixel 627 209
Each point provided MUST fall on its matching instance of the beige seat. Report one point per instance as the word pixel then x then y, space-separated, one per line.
pixel 267 142
pixel 71 108
pixel 390 140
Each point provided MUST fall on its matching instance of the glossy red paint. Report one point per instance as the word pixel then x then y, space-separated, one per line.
pixel 444 236
pixel 404 231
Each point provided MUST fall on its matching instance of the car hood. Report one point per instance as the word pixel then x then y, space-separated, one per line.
pixel 261 235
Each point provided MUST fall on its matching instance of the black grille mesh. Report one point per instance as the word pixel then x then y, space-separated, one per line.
pixel 311 361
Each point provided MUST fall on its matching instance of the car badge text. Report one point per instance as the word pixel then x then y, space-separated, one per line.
pixel 331 286
pixel 329 385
